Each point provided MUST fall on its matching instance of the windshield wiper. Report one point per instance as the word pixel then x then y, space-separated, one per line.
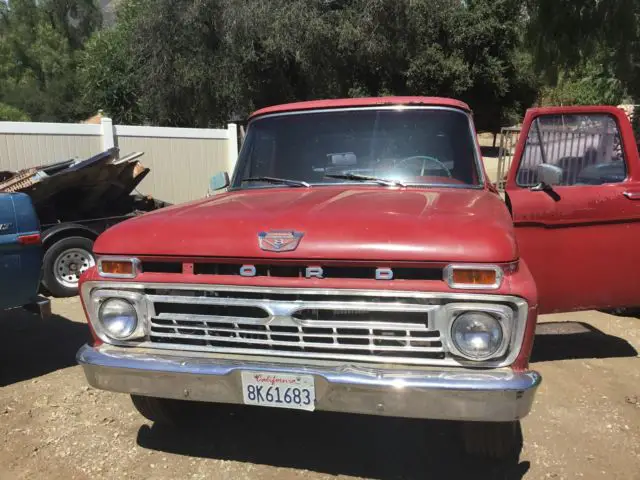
pixel 281 181
pixel 366 178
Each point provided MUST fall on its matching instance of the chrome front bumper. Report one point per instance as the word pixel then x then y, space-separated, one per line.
pixel 497 395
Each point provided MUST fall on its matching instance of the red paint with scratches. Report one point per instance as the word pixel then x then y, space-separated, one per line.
pixel 581 248
pixel 354 223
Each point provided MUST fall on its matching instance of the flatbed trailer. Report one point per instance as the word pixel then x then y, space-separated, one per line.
pixel 77 200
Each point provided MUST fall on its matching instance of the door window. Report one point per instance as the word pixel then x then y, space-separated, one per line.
pixel 587 147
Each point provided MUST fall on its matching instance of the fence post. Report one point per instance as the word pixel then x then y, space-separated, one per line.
pixel 108 140
pixel 232 154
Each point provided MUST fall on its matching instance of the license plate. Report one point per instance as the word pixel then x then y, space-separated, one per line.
pixel 279 390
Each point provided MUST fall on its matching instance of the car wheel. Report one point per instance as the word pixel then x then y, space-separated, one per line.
pixel 165 411
pixel 492 440
pixel 64 262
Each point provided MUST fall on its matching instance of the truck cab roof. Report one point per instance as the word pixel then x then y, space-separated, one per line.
pixel 361 102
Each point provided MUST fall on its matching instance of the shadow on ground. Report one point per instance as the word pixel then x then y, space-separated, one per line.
pixel 360 445
pixel 328 443
pixel 624 312
pixel 31 347
pixel 574 340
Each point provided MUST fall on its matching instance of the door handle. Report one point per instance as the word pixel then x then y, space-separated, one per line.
pixel 632 195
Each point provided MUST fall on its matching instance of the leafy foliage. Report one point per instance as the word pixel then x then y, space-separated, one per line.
pixel 38 45
pixel 12 114
pixel 109 78
pixel 594 35
pixel 588 85
pixel 201 63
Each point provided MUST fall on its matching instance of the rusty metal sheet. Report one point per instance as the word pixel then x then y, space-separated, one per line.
pixel 21 180
pixel 80 188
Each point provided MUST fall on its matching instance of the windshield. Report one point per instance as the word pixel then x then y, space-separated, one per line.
pixel 409 146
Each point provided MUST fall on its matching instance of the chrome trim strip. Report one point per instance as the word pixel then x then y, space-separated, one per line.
pixel 194 317
pixel 460 394
pixel 632 195
pixel 341 346
pixel 487 297
pixel 277 307
pixel 300 357
pixel 435 338
pixel 441 321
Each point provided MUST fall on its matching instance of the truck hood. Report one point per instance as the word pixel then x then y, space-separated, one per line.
pixel 338 223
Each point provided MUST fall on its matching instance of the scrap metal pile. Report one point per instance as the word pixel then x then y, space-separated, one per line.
pixel 77 189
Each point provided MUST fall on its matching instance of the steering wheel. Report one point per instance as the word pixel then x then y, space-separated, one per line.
pixel 424 159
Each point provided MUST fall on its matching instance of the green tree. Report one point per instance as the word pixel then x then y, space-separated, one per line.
pixel 167 68
pixel 109 78
pixel 12 114
pixel 200 63
pixel 586 39
pixel 589 84
pixel 39 41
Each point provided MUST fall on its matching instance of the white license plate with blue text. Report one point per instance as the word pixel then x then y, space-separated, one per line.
pixel 279 390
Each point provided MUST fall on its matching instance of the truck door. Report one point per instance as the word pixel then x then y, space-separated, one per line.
pixel 580 238
pixel 20 250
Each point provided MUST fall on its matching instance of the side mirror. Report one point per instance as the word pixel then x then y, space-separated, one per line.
pixel 219 181
pixel 548 176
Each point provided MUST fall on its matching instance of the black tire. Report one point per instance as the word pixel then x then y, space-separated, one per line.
pixel 49 280
pixel 492 440
pixel 165 411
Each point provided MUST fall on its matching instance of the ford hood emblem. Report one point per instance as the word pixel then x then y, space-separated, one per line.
pixel 279 241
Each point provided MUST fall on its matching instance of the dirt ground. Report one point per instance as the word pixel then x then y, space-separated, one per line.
pixel 585 423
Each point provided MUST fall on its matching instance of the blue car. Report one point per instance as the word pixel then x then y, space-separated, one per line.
pixel 20 251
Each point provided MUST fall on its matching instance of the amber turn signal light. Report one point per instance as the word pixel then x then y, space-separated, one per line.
pixel 471 276
pixel 474 277
pixel 118 267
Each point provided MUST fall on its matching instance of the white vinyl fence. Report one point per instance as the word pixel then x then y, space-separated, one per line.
pixel 181 159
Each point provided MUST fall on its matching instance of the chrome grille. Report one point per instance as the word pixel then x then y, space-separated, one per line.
pixel 341 327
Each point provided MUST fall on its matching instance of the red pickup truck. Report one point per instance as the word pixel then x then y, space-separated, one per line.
pixel 361 261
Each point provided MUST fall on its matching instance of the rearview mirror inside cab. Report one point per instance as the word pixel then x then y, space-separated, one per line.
pixel 219 181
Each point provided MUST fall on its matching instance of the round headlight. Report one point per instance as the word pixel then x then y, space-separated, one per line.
pixel 477 335
pixel 118 317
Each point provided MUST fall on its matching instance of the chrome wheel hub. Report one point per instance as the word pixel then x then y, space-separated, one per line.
pixel 70 264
